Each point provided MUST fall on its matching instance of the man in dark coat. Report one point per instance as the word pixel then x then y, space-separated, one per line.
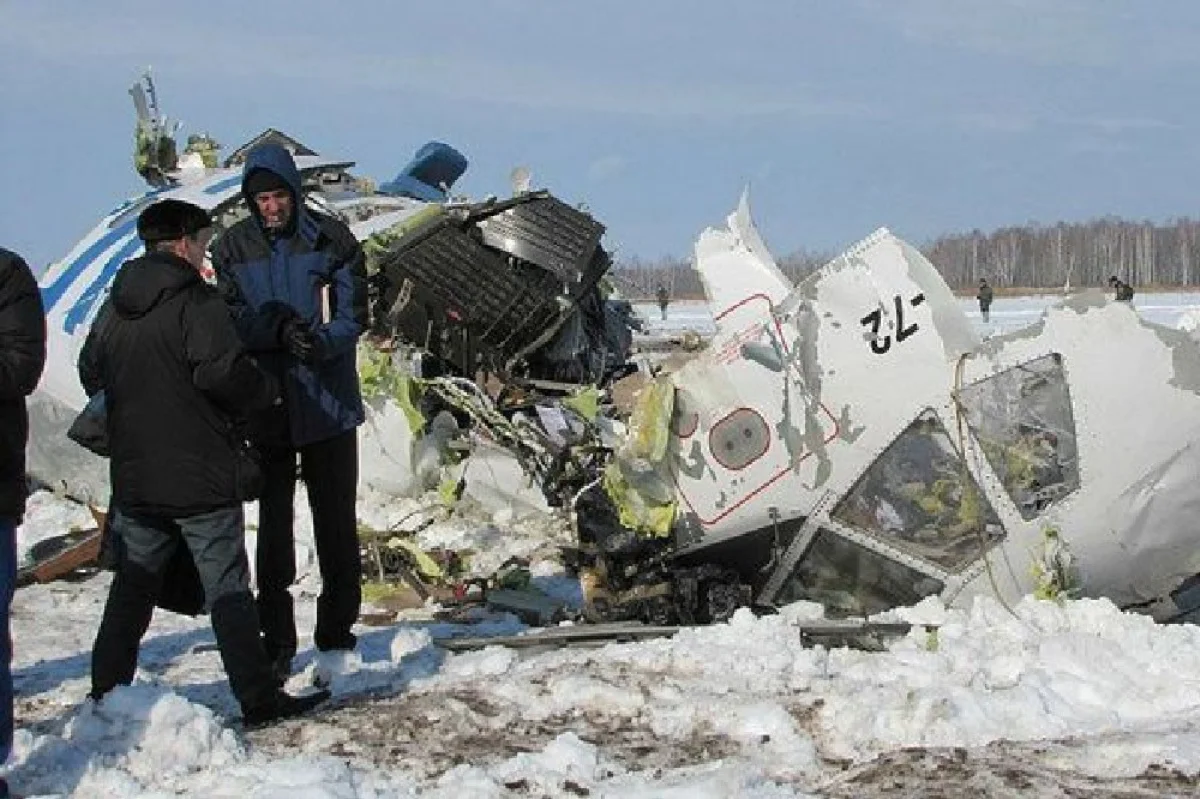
pixel 984 296
pixel 296 284
pixel 1122 291
pixel 664 299
pixel 22 356
pixel 177 381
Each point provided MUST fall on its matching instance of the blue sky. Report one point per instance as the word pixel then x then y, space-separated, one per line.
pixel 927 116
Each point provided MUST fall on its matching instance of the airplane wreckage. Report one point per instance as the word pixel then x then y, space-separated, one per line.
pixel 850 440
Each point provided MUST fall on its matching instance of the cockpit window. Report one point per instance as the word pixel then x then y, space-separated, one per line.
pixel 851 580
pixel 919 497
pixel 1022 419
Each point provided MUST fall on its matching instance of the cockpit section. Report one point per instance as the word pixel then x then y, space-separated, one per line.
pixel 1023 421
pixel 914 518
pixel 850 579
pixel 919 497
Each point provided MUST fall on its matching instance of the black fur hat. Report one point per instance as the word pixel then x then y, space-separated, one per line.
pixel 168 220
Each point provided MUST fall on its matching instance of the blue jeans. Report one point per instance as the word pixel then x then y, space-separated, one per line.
pixel 8 582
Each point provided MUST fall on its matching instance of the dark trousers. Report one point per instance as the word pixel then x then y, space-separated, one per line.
pixel 217 542
pixel 8 584
pixel 330 472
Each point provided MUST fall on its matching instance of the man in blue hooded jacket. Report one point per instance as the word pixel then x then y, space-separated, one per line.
pixel 295 282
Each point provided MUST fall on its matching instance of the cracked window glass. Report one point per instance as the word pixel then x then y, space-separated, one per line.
pixel 919 497
pixel 1023 421
pixel 851 580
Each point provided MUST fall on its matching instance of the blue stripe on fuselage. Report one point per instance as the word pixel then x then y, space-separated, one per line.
pixel 87 300
pixel 222 185
pixel 53 293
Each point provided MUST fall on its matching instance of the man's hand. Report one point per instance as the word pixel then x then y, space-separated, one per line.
pixel 299 339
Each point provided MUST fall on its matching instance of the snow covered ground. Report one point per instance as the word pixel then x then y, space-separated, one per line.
pixel 1076 699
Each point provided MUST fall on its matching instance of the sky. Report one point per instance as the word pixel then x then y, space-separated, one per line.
pixel 925 116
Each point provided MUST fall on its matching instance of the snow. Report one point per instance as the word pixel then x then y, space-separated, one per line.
pixel 742 708
pixel 1077 696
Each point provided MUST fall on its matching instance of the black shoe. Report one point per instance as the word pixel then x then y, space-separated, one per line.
pixel 281 706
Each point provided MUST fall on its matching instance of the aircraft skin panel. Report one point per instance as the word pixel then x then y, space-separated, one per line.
pixel 1130 525
pixel 734 265
pixel 74 288
pixel 740 446
pixel 855 359
pixel 750 324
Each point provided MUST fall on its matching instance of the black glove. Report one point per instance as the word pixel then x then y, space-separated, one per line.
pixel 300 340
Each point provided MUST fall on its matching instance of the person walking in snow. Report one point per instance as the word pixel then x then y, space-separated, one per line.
pixel 22 357
pixel 295 281
pixel 1122 291
pixel 177 380
pixel 664 299
pixel 984 296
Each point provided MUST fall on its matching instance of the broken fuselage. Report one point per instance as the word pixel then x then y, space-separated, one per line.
pixel 852 441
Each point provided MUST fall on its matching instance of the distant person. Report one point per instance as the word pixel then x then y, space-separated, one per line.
pixel 22 356
pixel 296 284
pixel 984 296
pixel 177 384
pixel 664 299
pixel 1123 292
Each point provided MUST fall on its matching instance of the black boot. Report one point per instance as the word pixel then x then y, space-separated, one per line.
pixel 281 705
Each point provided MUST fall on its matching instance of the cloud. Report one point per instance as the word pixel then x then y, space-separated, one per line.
pixel 1094 128
pixel 987 122
pixel 1118 125
pixel 236 52
pixel 605 168
pixel 1087 33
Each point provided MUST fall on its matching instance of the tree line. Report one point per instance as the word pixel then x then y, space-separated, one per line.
pixel 1031 256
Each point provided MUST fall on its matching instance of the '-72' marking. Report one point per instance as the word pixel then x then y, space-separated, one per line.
pixel 874 320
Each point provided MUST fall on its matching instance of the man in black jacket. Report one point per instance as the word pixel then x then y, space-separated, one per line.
pixel 177 382
pixel 22 356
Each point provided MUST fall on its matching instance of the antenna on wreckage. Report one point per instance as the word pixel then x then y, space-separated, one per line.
pixel 154 153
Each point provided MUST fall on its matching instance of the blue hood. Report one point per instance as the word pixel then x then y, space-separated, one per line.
pixel 273 158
